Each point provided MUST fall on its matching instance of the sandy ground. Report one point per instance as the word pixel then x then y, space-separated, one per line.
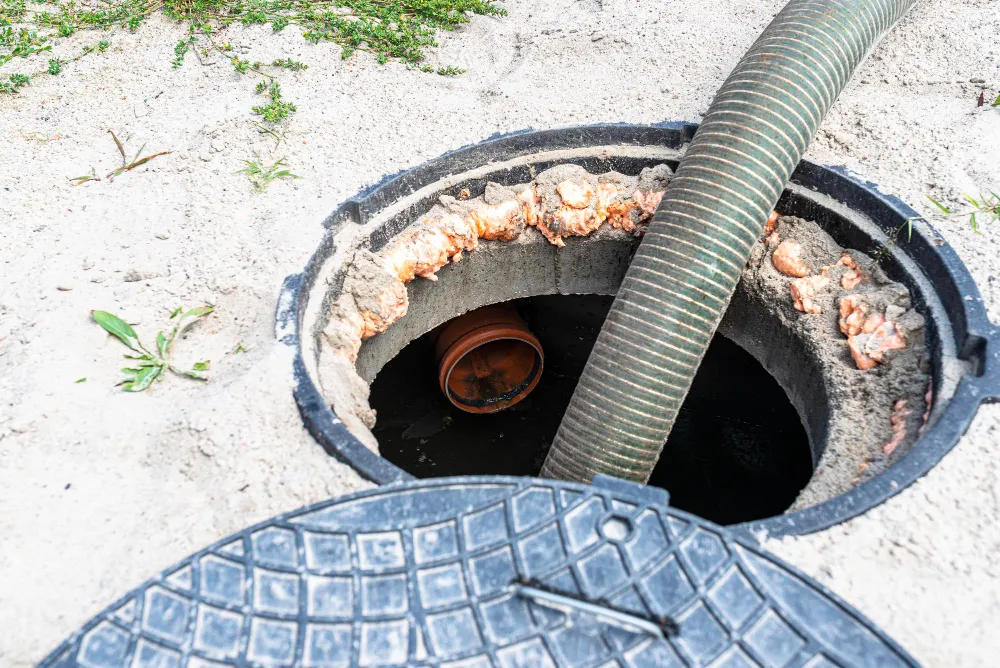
pixel 101 489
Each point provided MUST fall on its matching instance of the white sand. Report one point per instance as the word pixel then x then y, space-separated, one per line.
pixel 100 489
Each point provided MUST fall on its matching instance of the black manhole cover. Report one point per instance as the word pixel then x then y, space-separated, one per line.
pixel 482 572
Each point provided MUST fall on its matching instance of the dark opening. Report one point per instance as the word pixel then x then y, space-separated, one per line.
pixel 738 451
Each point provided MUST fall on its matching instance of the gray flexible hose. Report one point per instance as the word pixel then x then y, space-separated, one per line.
pixel 686 269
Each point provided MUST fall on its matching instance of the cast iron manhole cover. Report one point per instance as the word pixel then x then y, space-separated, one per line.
pixel 482 572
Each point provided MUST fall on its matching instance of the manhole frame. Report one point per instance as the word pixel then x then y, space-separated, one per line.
pixel 976 340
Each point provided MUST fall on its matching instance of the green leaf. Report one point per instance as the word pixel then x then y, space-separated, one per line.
pixel 201 366
pixel 187 319
pixel 195 375
pixel 80 380
pixel 118 327
pixel 161 344
pixel 939 205
pixel 996 102
pixel 143 379
pixel 130 375
pixel 176 312
pixel 972 221
pixel 198 312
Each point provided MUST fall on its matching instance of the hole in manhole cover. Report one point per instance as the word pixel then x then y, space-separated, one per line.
pixel 616 528
pixel 738 452
pixel 865 428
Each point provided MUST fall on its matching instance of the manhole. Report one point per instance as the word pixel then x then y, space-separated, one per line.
pixel 959 343
pixel 737 453
pixel 482 572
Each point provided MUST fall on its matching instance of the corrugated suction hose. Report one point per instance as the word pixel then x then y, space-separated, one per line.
pixel 686 269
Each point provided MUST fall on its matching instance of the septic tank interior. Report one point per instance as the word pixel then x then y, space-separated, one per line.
pixel 847 413
pixel 738 453
pixel 102 489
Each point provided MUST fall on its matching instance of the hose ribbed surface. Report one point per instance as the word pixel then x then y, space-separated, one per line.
pixel 686 269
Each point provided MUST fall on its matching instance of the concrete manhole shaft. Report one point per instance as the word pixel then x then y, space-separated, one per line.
pixel 923 286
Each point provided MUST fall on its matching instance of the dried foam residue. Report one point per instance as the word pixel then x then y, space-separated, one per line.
pixel 862 329
pixel 564 201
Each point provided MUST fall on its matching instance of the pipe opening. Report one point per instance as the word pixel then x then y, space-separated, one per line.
pixel 488 359
pixel 493 375
pixel 739 451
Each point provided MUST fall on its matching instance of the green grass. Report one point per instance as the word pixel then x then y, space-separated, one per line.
pixel 400 30
pixel 262 175
pixel 986 207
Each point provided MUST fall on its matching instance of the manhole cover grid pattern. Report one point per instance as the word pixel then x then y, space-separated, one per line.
pixel 427 575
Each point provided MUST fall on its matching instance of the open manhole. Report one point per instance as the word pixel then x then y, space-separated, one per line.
pixel 847 438
pixel 738 451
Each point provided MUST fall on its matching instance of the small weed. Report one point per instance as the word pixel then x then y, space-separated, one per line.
pixel 135 162
pixel 181 49
pixel 277 109
pixel 127 165
pixel 448 71
pixel 149 365
pixel 244 66
pixel 80 380
pixel 261 176
pixel 289 64
pixel 268 131
pixel 80 180
pixel 987 204
pixel 55 66
pixel 14 83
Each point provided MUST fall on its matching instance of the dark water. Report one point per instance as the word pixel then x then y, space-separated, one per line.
pixel 737 452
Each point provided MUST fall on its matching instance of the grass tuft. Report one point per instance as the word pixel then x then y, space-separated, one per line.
pixel 986 207
pixel 261 175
